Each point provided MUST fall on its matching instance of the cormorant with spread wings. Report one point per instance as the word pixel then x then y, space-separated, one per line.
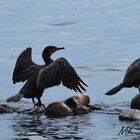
pixel 40 77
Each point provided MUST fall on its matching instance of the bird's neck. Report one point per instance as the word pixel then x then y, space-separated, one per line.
pixel 47 59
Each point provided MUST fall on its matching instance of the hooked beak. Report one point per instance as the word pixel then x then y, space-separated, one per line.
pixel 60 49
pixel 56 49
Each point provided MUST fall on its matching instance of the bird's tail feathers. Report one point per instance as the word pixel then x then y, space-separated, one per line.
pixel 114 90
pixel 15 98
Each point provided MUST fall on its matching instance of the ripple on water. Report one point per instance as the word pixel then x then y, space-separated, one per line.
pixel 64 128
pixel 72 127
pixel 63 23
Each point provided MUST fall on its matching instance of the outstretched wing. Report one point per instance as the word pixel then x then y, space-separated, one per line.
pixel 59 71
pixel 23 62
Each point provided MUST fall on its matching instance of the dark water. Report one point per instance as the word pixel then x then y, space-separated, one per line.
pixel 101 37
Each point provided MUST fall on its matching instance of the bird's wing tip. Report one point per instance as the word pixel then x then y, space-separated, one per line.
pixel 108 94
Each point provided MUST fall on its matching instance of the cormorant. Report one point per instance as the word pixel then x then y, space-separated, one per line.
pixel 40 77
pixel 131 79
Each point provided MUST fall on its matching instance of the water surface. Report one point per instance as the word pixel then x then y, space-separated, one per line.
pixel 101 39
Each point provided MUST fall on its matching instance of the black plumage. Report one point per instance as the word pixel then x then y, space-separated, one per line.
pixel 40 77
pixel 131 79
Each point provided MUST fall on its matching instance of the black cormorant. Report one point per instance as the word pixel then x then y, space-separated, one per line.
pixel 131 79
pixel 40 77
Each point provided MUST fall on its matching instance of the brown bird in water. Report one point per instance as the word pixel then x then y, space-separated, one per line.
pixel 40 77
pixel 131 79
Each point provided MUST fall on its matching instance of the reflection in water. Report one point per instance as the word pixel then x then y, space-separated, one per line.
pixel 60 128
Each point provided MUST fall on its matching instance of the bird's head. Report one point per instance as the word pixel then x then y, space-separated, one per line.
pixel 49 50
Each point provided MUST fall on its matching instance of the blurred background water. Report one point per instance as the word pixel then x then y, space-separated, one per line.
pixel 101 39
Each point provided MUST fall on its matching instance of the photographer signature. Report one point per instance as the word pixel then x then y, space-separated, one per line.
pixel 128 130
